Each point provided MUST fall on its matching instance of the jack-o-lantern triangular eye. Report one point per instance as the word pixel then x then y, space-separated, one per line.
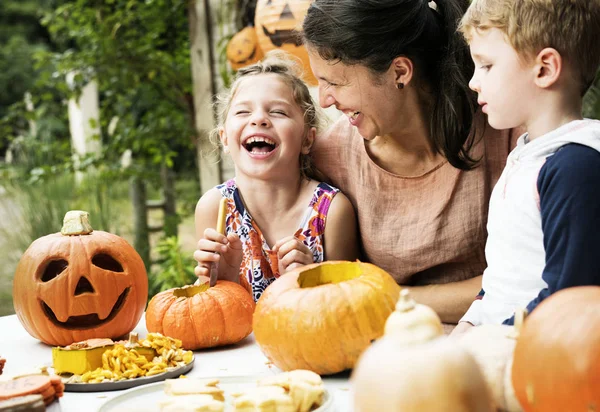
pixel 286 13
pixel 107 262
pixel 53 269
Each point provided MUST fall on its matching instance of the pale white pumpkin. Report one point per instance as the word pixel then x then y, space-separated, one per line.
pixel 493 347
pixel 433 376
pixel 412 322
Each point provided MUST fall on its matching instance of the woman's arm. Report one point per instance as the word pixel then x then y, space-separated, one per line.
pixel 449 300
pixel 341 233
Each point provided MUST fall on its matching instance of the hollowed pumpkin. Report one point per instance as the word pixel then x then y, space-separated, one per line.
pixel 321 317
pixel 556 364
pixel 243 49
pixel 278 25
pixel 79 284
pixel 202 316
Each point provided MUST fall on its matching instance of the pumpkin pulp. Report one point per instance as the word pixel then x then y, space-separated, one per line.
pixel 189 291
pixel 326 274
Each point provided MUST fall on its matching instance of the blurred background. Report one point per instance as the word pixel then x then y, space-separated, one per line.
pixel 106 106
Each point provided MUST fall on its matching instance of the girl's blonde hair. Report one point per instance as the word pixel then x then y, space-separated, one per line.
pixel 280 63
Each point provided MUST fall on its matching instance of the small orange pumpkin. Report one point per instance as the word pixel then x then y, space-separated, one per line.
pixel 556 363
pixel 79 284
pixel 202 316
pixel 278 26
pixel 321 317
pixel 243 49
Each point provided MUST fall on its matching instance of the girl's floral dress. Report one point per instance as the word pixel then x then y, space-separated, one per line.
pixel 260 264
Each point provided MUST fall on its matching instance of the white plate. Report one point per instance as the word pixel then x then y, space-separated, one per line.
pixel 146 398
pixel 128 383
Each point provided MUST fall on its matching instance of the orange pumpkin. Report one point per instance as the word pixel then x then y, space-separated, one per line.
pixel 556 364
pixel 79 284
pixel 202 316
pixel 243 49
pixel 278 26
pixel 321 317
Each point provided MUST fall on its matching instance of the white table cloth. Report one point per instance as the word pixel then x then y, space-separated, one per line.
pixel 24 353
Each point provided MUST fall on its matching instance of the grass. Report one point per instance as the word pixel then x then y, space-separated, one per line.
pixel 30 211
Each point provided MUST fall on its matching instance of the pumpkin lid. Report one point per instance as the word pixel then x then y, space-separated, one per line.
pixel 76 222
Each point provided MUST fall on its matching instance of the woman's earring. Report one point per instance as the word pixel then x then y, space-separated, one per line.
pixel 400 85
pixel 226 149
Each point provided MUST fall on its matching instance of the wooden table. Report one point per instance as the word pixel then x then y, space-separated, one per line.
pixel 24 353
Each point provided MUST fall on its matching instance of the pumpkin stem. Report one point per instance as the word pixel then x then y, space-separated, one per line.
pixel 520 315
pixel 405 302
pixel 76 222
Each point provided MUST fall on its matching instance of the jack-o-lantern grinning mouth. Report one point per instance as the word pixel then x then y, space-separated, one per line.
pixel 88 321
pixel 281 37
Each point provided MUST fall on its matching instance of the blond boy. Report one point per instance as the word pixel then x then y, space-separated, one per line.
pixel 534 60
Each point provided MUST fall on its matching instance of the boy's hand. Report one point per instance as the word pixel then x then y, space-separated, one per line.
pixel 215 247
pixel 292 253
pixel 461 328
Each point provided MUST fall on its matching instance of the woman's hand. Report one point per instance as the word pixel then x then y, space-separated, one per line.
pixel 461 328
pixel 226 250
pixel 292 253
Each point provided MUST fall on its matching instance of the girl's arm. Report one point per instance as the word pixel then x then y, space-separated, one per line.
pixel 341 233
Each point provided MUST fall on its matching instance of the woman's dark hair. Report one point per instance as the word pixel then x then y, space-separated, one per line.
pixel 374 32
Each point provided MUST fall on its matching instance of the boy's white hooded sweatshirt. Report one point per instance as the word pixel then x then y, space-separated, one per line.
pixel 544 212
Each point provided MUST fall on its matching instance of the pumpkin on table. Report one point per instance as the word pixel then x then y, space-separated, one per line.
pixel 322 316
pixel 556 364
pixel 431 376
pixel 202 316
pixel 79 284
pixel 278 26
pixel 492 347
pixel 412 322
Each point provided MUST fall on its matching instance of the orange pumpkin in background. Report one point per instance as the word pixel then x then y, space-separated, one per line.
pixel 278 26
pixel 202 316
pixel 79 284
pixel 556 363
pixel 243 49
pixel 322 316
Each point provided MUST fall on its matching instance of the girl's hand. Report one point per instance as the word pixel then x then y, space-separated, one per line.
pixel 292 253
pixel 215 247
pixel 461 328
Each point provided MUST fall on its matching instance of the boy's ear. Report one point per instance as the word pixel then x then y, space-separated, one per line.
pixel 309 140
pixel 403 70
pixel 548 67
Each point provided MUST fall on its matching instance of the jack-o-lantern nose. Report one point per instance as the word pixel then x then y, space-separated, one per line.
pixel 83 286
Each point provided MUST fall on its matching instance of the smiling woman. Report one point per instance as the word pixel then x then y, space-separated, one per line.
pixel 415 159
pixel 79 284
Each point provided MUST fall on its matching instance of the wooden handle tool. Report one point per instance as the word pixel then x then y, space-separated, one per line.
pixel 214 270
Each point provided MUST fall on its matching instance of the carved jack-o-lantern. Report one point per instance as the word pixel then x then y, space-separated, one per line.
pixel 79 284
pixel 278 25
pixel 243 49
